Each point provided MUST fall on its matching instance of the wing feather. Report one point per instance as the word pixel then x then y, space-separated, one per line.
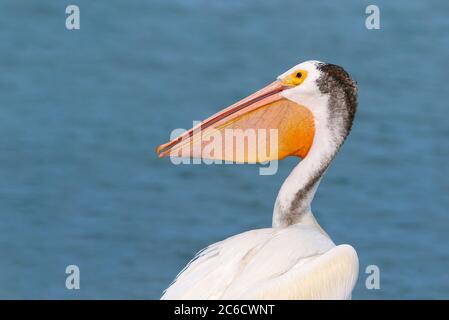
pixel 331 275
pixel 289 263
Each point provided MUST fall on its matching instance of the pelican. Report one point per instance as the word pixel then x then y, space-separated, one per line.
pixel 312 107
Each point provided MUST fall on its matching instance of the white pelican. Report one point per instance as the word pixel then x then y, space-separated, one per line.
pixel 312 106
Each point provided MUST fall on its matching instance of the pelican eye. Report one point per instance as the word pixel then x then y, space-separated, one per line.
pixel 295 78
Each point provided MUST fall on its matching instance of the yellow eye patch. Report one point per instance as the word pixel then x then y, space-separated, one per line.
pixel 295 79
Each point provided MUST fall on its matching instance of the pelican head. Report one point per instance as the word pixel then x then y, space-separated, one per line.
pixel 313 102
pixel 327 90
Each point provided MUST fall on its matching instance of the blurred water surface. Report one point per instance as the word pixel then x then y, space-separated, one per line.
pixel 82 111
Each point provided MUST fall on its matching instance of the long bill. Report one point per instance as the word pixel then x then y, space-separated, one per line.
pixel 262 127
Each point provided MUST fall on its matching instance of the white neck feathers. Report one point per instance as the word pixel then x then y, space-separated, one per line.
pixel 296 194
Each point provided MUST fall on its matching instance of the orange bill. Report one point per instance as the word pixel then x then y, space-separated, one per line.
pixel 264 126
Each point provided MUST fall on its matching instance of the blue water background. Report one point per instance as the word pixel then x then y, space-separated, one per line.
pixel 81 113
